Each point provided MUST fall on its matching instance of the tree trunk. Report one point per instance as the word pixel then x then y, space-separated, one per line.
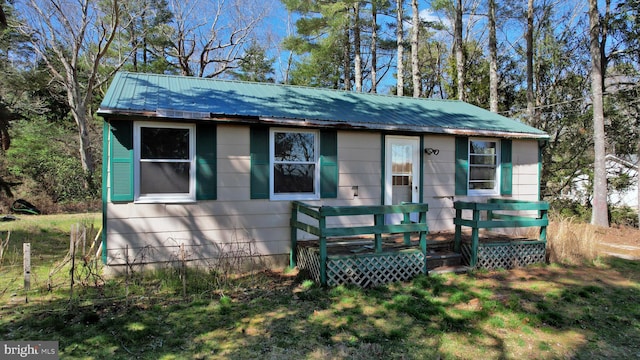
pixel 86 157
pixel 415 71
pixel 457 44
pixel 356 47
pixel 600 214
pixel 374 46
pixel 346 54
pixel 400 45
pixel 529 39
pixel 493 59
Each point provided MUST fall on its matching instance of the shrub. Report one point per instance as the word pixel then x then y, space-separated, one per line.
pixel 624 216
pixel 570 241
pixel 568 208
pixel 43 157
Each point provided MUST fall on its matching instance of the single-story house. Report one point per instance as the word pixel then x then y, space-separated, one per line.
pixel 203 166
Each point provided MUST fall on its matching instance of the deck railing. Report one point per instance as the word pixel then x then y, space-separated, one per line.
pixel 494 218
pixel 319 226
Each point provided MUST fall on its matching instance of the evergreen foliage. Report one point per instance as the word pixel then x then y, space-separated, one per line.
pixel 330 46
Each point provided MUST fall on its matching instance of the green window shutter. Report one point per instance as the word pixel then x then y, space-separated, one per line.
pixel 259 147
pixel 121 156
pixel 506 168
pixel 462 164
pixel 206 168
pixel 328 164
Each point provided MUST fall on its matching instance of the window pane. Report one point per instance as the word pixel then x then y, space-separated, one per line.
pixel 401 159
pixel 164 178
pixel 485 185
pixel 401 180
pixel 482 173
pixel 482 159
pixel 293 178
pixel 483 147
pixel 294 147
pixel 164 143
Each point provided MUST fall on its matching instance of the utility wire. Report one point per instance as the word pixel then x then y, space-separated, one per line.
pixel 632 87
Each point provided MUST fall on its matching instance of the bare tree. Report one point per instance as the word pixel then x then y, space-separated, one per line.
pixel 209 37
pixel 400 47
pixel 72 37
pixel 600 214
pixel 415 29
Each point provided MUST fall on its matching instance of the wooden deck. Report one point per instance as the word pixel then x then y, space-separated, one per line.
pixel 382 253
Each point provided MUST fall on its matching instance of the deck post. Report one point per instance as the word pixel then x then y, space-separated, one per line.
pixel 322 225
pixel 294 235
pixel 423 240
pixel 475 238
pixel 543 228
pixel 378 221
pixel 407 220
pixel 458 237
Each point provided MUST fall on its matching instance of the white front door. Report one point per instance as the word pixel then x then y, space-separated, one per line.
pixel 402 173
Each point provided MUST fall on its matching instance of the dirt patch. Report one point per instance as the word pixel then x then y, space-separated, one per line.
pixel 619 241
pixel 620 235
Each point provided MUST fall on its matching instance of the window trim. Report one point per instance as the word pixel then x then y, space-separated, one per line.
pixel 169 197
pixel 316 174
pixel 498 165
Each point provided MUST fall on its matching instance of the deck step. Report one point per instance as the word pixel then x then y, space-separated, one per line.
pixel 443 258
pixel 450 269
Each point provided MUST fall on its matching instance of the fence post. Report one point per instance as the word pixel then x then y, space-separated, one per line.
pixel 26 259
pixel 84 239
pixel 126 276
pixel 183 269
pixel 72 251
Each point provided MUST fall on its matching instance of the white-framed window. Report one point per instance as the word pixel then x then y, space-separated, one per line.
pixel 164 156
pixel 484 167
pixel 294 164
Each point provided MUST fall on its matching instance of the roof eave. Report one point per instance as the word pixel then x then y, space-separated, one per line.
pixel 315 123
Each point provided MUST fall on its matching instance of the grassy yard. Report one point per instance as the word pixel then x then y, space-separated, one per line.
pixel 542 312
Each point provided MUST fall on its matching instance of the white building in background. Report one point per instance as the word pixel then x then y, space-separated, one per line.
pixel 617 168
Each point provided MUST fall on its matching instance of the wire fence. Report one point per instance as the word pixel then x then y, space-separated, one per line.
pixel 78 275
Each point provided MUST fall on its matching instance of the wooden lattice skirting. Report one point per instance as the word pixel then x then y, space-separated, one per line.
pixel 363 269
pixel 506 255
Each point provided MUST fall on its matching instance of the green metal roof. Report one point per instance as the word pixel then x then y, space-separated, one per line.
pixel 152 95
